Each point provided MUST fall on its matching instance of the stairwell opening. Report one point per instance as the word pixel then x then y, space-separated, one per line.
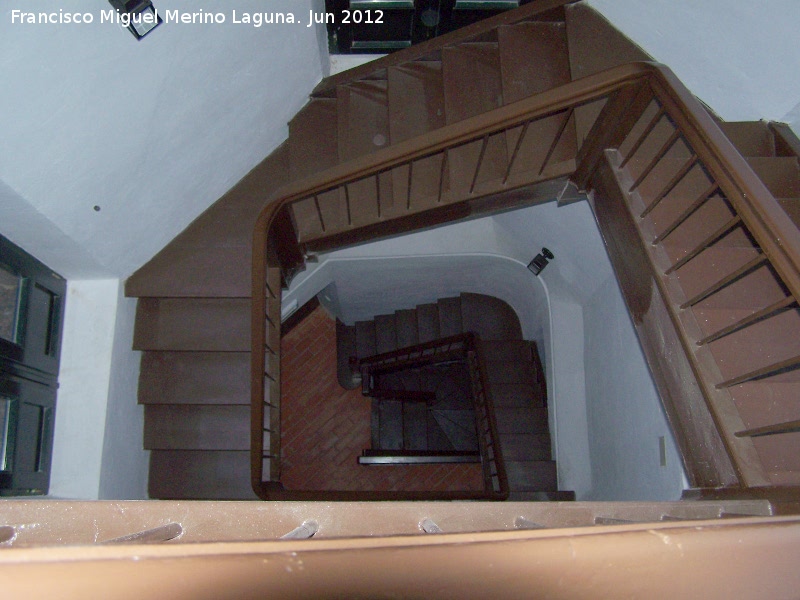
pixel 606 420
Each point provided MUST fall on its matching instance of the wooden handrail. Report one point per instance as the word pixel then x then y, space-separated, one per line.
pixel 464 346
pixel 777 236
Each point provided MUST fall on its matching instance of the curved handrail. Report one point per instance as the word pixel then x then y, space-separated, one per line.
pixel 772 228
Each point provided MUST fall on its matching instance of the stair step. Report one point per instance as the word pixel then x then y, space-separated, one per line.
pixel 200 475
pixel 211 257
pixel 516 395
pixel 489 317
pixel 345 348
pixel 436 436
pixel 415 426
pixel 499 350
pixel 750 138
pixel 199 324
pixel 195 378
pixel 532 476
pixel 406 326
pixel 363 118
pixel 472 82
pixel 526 446
pixel 313 138
pixel 385 334
pixel 449 316
pixel 428 322
pixel 416 106
pixel 781 175
pixel 533 58
pixel 472 86
pixel 366 344
pixel 390 424
pixel 760 345
pixel 363 126
pixel 520 420
pixel 416 99
pixel 792 208
pixel 459 427
pixel 510 372
pixel 196 427
pixel 587 31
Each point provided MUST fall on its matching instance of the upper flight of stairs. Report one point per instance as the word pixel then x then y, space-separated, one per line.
pixel 193 314
pixel 513 369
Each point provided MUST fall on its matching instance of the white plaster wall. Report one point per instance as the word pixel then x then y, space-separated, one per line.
pixel 85 373
pixel 125 464
pixel 625 415
pixel 739 57
pixel 152 132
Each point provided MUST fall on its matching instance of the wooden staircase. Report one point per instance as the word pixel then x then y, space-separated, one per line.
pixel 193 320
pixel 513 368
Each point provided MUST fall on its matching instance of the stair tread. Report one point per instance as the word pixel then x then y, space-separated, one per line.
pixel 526 446
pixel 200 475
pixel 750 138
pixel 415 421
pixel 313 138
pixel 489 317
pixel 781 174
pixel 792 208
pixel 459 427
pixel 390 424
pixel 363 118
pixel 385 334
pixel 533 58
pixel 449 316
pixel 416 99
pixel 515 395
pixel 531 476
pixel 406 327
pixel 366 344
pixel 472 86
pixel 196 427
pixel 517 350
pixel 509 371
pixel 201 324
pixel 520 421
pixel 428 322
pixel 194 378
pixel 587 31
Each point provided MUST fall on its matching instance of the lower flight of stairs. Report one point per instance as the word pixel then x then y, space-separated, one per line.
pixel 515 377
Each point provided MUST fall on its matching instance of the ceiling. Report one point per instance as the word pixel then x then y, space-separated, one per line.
pixel 111 146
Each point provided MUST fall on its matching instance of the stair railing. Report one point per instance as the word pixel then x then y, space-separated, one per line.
pixel 317 214
pixel 461 347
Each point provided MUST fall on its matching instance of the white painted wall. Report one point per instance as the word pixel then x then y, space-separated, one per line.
pixel 124 470
pixel 624 412
pixel 152 132
pixel 97 447
pixel 85 373
pixel 739 57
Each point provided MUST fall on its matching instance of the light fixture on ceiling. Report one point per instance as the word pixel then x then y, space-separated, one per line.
pixel 139 16
pixel 540 261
